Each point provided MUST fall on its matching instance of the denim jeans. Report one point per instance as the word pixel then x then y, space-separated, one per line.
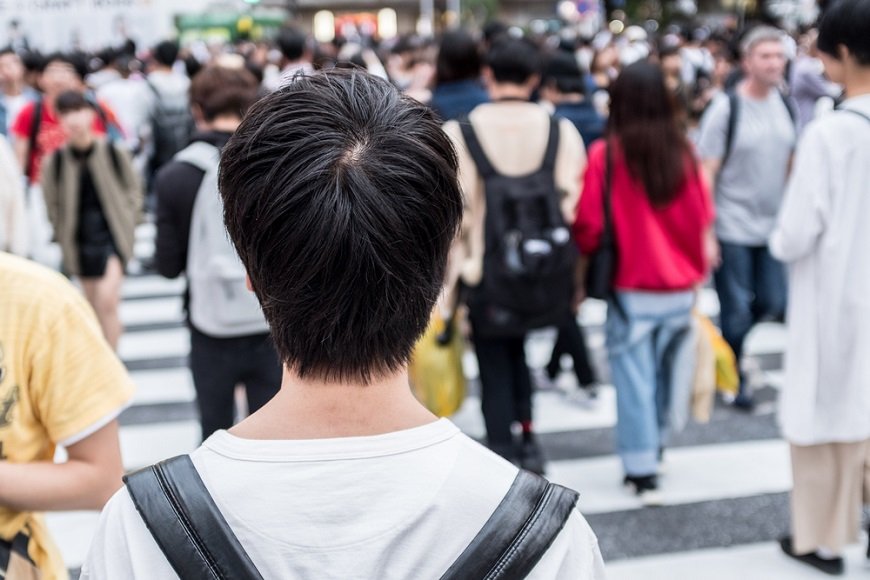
pixel 752 287
pixel 651 355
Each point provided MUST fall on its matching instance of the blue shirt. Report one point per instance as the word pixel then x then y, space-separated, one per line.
pixel 457 99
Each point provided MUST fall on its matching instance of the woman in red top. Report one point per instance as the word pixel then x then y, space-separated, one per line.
pixel 661 214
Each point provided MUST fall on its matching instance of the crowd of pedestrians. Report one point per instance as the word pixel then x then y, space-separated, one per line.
pixel 321 198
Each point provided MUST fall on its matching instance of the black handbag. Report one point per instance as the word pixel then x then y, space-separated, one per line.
pixel 602 264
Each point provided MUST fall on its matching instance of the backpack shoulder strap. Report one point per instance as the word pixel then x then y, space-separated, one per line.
pixel 786 100
pixel 733 119
pixel 552 145
pixel 201 155
pixel 34 134
pixel 518 533
pixel 186 524
pixel 469 135
pixel 854 112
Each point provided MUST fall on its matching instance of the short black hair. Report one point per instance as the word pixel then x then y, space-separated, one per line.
pixel 76 60
pixel 562 72
pixel 292 43
pixel 514 60
pixel 847 23
pixel 71 101
pixel 341 197
pixel 458 57
pixel 166 52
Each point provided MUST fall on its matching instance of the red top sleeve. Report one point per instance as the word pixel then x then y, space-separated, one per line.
pixel 21 124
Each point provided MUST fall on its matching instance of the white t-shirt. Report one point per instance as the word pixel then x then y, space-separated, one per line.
pixel 395 506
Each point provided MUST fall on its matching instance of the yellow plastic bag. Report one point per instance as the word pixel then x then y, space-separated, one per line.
pixel 727 374
pixel 436 375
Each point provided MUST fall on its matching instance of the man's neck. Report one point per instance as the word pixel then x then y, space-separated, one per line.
pixel 755 89
pixel 314 409
pixel 508 92
pixel 858 83
pixel 12 89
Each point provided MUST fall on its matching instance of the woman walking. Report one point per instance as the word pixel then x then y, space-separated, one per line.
pixel 822 235
pixel 662 215
pixel 93 199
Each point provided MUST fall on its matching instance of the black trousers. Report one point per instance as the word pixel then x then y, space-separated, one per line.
pixel 571 340
pixel 506 387
pixel 219 364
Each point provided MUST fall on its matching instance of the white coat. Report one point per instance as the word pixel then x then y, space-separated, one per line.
pixel 823 234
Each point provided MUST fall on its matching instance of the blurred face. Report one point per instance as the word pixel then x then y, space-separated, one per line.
pixel 765 63
pixel 59 77
pixel 672 67
pixel 78 124
pixel 11 69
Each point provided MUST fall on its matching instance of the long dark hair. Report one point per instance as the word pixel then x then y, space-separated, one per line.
pixel 643 120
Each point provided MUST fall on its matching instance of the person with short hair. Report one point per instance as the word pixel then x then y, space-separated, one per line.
pixel 94 201
pixel 746 143
pixel 822 236
pixel 14 91
pixel 60 386
pixel 342 199
pixel 226 348
pixel 296 55
pixel 514 135
pixel 458 84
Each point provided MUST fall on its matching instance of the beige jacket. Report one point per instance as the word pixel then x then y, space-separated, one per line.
pixel 514 137
pixel 121 199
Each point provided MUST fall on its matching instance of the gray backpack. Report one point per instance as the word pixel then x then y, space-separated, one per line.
pixel 220 303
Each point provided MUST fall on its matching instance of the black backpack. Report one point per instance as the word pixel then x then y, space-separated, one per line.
pixel 194 536
pixel 171 126
pixel 530 255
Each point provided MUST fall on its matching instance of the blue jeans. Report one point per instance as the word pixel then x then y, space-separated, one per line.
pixel 650 352
pixel 752 287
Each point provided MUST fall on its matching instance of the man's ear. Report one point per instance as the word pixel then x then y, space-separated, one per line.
pixel 248 283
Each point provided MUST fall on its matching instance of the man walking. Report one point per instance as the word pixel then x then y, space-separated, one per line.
pixel 510 138
pixel 746 144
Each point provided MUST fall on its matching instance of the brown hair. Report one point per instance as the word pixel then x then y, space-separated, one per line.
pixel 220 90
pixel 644 121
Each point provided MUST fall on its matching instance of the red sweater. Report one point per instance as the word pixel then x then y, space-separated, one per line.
pixel 659 249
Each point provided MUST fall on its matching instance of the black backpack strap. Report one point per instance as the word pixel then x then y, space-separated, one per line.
pixel 549 163
pixel 519 532
pixel 186 524
pixel 792 113
pixel 469 135
pixel 731 132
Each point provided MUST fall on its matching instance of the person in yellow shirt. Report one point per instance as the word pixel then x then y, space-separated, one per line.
pixel 60 386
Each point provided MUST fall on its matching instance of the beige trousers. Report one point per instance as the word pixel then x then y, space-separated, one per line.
pixel 831 483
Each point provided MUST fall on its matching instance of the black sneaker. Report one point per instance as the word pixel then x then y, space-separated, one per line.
pixel 744 403
pixel 645 487
pixel 531 456
pixel 831 566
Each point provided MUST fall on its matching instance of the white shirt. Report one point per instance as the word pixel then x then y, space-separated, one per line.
pixel 823 235
pixel 395 506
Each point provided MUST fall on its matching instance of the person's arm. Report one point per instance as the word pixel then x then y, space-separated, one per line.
pixel 712 139
pixel 804 213
pixel 570 165
pixel 50 191
pixel 176 187
pixel 85 481
pixel 20 146
pixel 132 182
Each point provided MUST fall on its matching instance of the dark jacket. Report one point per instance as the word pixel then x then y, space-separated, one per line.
pixel 457 99
pixel 176 186
pixel 585 118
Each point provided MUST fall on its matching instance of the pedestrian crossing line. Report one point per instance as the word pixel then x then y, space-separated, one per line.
pixel 764 561
pixel 693 474
pixel 151 286
pixel 149 311
pixel 154 344
pixel 163 386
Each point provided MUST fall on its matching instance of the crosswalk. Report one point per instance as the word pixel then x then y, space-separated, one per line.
pixel 725 483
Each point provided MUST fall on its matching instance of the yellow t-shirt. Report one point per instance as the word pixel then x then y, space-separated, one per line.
pixel 59 382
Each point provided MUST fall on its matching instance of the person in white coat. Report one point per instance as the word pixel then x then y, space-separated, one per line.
pixel 823 236
pixel 13 227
